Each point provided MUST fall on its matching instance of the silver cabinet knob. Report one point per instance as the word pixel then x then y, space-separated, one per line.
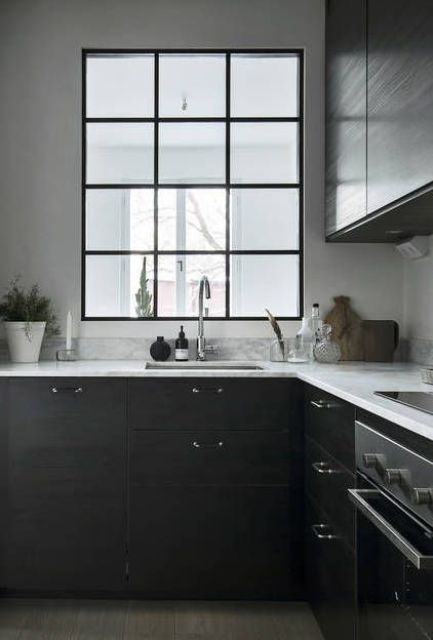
pixel 323 467
pixel 421 496
pixel 393 476
pixel 323 531
pixel 373 459
pixel 323 404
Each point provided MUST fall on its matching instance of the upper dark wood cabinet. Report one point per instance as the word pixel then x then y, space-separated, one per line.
pixel 400 99
pixel 395 142
pixel 346 113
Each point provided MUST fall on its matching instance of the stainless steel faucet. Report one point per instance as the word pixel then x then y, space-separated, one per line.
pixel 204 289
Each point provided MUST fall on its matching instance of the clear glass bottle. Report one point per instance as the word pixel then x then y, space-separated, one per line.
pixel 304 341
pixel 316 322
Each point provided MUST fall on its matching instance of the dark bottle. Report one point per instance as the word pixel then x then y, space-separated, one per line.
pixel 181 352
pixel 160 350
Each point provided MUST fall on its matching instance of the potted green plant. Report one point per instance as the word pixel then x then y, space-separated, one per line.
pixel 27 316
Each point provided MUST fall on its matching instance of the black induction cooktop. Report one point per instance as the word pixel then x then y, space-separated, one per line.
pixel 416 399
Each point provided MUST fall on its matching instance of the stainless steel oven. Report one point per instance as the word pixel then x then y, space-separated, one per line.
pixel 394 502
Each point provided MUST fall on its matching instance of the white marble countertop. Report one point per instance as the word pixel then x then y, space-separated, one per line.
pixel 353 382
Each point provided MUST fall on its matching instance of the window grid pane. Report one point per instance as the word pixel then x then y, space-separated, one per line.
pixel 199 231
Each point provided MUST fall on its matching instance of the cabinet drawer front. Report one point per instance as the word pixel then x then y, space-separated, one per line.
pixel 330 575
pixel 211 403
pixel 331 423
pixel 213 542
pixel 327 483
pixel 66 413
pixel 218 458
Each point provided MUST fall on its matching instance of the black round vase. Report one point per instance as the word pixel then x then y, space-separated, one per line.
pixel 160 350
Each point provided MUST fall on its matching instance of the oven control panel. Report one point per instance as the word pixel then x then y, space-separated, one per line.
pixel 402 472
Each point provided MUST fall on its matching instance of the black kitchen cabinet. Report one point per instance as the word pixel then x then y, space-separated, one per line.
pixel 327 483
pixel 3 473
pixel 206 503
pixel 215 491
pixel 346 110
pixel 330 573
pixel 330 517
pixel 330 422
pixel 66 509
pixel 379 121
pixel 400 100
pixel 178 488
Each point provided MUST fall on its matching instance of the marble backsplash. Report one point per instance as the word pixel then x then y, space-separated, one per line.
pixel 420 351
pixel 139 348
pixel 415 350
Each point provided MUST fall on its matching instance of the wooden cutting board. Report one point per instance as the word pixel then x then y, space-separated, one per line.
pixel 380 340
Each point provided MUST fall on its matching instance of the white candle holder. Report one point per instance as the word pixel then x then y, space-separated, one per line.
pixel 66 355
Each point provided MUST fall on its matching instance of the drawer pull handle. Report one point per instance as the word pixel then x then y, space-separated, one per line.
pixel 323 467
pixel 67 389
pixel 323 404
pixel 322 532
pixel 211 445
pixel 209 390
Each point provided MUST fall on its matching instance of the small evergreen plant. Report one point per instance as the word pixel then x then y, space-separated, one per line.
pixel 21 305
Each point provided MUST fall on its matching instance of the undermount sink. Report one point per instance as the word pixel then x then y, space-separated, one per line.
pixel 203 366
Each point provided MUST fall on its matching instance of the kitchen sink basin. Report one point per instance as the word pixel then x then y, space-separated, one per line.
pixel 202 366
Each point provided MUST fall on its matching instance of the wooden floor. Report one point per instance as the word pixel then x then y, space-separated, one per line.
pixel 122 620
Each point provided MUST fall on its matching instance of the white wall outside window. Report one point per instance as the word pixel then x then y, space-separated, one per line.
pixel 40 75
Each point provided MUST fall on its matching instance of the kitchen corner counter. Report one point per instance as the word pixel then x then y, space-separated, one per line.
pixel 352 382
pixel 357 382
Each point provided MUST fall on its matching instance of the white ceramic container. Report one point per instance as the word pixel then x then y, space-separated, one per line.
pixel 24 340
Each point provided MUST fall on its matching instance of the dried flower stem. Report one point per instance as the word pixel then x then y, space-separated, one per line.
pixel 277 330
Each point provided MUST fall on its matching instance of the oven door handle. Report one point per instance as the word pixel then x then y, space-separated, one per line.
pixel 419 560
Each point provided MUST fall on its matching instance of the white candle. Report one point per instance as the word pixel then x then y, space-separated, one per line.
pixel 69 331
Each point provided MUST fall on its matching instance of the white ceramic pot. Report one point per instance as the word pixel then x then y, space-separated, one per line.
pixel 24 340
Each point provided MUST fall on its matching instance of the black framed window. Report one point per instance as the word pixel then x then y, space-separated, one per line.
pixel 192 165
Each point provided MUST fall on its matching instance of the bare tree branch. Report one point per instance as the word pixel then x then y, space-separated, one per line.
pixel 203 228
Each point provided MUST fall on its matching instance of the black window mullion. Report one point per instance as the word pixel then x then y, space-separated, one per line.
pixel 301 182
pixel 118 252
pixel 155 192
pixel 173 119
pixel 120 120
pixel 228 176
pixel 120 185
pixel 83 183
pixel 192 252
pixel 195 185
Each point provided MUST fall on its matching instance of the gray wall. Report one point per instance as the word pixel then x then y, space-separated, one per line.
pixel 40 111
pixel 418 306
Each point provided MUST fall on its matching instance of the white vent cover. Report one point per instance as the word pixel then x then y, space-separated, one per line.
pixel 413 248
